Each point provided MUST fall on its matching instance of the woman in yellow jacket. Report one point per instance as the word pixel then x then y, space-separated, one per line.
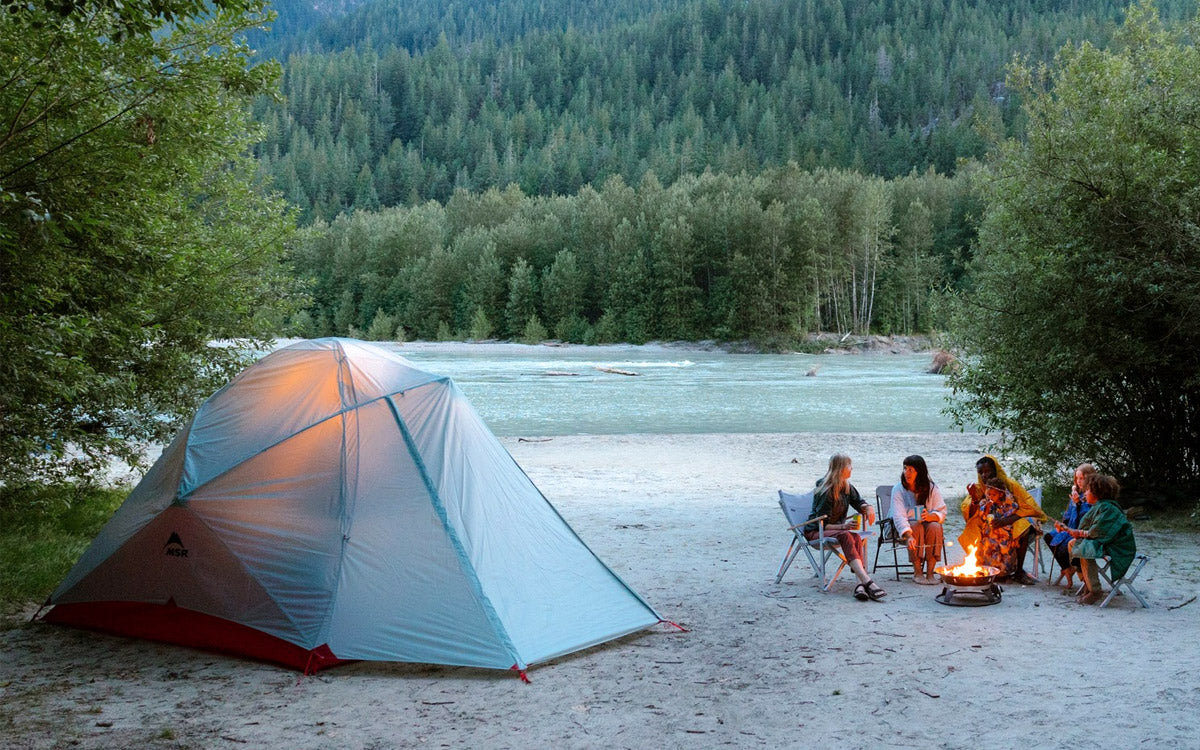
pixel 986 468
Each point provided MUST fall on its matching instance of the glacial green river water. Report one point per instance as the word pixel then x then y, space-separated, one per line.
pixel 541 390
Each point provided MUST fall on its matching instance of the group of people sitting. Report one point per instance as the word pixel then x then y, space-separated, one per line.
pixel 997 511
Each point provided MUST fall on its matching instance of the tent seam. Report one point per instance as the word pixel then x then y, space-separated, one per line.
pixel 343 514
pixel 570 528
pixel 306 428
pixel 460 551
pixel 270 597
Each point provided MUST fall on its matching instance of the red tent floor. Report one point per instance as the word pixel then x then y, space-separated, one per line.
pixel 172 624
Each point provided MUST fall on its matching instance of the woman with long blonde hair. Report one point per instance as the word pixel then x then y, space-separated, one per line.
pixel 833 497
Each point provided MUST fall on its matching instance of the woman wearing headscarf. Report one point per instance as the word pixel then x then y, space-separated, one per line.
pixel 1026 507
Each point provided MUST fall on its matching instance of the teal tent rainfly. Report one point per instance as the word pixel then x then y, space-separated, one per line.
pixel 331 503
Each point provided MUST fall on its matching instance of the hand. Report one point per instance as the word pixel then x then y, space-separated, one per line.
pixel 931 518
pixel 1058 526
pixel 974 491
pixel 911 541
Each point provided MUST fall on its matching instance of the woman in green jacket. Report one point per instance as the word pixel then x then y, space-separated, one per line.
pixel 1104 531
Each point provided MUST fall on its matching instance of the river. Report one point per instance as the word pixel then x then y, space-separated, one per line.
pixel 543 390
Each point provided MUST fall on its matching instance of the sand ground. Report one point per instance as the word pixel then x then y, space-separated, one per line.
pixel 691 523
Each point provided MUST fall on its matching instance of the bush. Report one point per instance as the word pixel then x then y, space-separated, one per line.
pixel 43 531
pixel 534 332
pixel 481 325
pixel 383 327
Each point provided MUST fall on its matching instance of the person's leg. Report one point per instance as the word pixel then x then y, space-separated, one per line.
pixel 859 571
pixel 1063 558
pixel 917 554
pixel 1060 556
pixel 1023 541
pixel 852 547
pixel 1023 547
pixel 1090 572
pixel 934 535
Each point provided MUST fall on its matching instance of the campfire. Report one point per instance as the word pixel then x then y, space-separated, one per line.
pixel 969 583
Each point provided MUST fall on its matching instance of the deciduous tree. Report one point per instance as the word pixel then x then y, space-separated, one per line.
pixel 132 230
pixel 1082 336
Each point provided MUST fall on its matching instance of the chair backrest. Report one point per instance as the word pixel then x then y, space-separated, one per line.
pixel 883 500
pixel 797 508
pixel 1036 494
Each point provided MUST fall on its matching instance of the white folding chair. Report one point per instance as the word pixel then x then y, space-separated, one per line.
pixel 1039 562
pixel 888 534
pixel 1124 582
pixel 796 509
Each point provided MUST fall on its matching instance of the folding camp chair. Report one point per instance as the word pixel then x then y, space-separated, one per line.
pixel 796 508
pixel 1124 582
pixel 1039 562
pixel 890 536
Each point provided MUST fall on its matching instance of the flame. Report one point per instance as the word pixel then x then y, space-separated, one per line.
pixel 969 568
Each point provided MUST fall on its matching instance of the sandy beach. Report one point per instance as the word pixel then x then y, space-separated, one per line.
pixel 691 522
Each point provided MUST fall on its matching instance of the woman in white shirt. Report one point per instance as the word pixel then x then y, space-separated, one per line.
pixel 919 511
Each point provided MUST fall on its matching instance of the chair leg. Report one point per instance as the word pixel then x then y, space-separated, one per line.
pixel 1126 583
pixel 836 573
pixel 792 550
pixel 1138 596
pixel 824 556
pixel 1051 564
pixel 817 568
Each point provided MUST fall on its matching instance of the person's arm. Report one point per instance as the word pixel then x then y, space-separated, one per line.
pixel 936 505
pixel 1107 522
pixel 1085 524
pixel 900 512
pixel 863 507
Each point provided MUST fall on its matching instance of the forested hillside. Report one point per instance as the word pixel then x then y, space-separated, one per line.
pixel 395 103
pixel 759 257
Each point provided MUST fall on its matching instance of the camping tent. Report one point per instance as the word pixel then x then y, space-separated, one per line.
pixel 333 502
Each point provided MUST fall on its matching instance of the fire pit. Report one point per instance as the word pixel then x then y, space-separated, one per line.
pixel 969 584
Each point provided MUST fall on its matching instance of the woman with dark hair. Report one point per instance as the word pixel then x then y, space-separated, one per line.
pixel 987 468
pixel 1104 531
pixel 918 512
pixel 1077 508
pixel 833 497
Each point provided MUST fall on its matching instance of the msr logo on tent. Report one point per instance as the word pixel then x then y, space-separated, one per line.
pixel 174 546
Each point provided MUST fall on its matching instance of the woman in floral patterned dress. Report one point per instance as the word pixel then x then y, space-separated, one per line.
pixel 996 510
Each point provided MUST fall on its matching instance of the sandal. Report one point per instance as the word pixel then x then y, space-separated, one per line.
pixel 860 593
pixel 873 590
